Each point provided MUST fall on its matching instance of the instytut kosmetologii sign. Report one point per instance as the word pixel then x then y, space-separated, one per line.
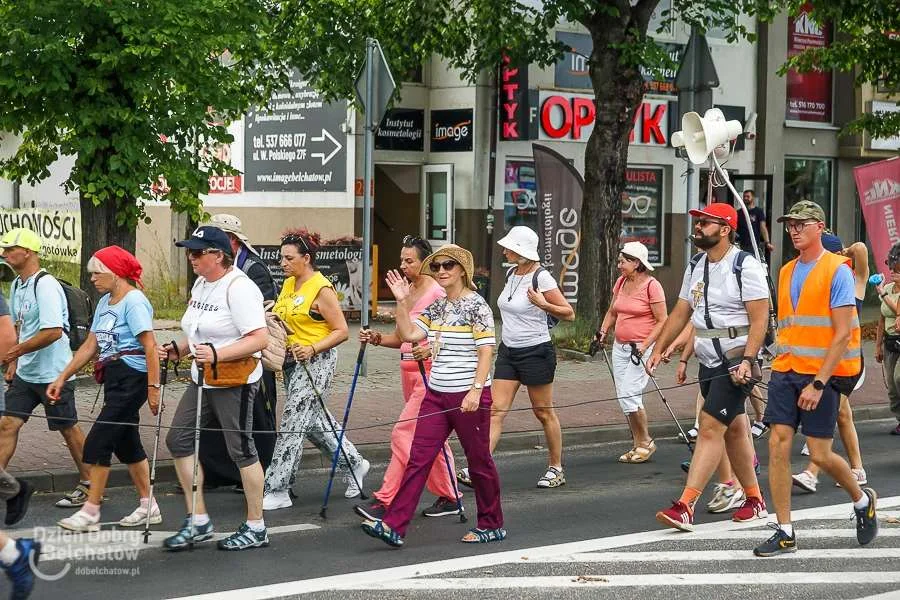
pixel 339 264
pixel 296 144
pixel 401 129
pixel 60 231
pixel 271 255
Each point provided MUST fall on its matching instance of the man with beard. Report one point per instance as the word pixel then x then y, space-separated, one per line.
pixel 724 294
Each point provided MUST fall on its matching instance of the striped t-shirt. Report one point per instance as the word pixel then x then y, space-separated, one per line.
pixel 456 329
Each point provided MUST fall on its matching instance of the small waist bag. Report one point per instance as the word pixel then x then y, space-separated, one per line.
pixel 100 365
pixel 229 373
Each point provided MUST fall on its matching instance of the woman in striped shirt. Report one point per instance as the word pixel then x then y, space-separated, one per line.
pixel 460 329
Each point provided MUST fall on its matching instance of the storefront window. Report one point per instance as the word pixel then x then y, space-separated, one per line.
pixel 642 209
pixel 808 179
pixel 519 195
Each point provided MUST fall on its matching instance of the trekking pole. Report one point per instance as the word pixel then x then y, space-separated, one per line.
pixel 164 374
pixel 638 359
pixel 196 453
pixel 459 506
pixel 340 437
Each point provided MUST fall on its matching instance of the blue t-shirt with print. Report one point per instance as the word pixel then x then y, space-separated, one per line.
pixel 843 287
pixel 118 325
pixel 33 310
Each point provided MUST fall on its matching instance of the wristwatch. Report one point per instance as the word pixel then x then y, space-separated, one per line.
pixel 154 385
pixel 819 385
pixel 477 386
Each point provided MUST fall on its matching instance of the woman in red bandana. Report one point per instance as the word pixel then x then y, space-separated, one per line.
pixel 122 341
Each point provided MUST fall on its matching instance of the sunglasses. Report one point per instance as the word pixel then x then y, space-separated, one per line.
pixel 411 240
pixel 199 253
pixel 296 240
pixel 447 265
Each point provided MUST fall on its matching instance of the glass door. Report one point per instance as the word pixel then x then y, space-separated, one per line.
pixel 437 204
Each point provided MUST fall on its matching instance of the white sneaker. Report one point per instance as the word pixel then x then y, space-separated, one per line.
pixel 725 498
pixel 138 518
pixel 276 500
pixel 806 481
pixel 692 434
pixel 805 450
pixel 81 522
pixel 359 474
pixel 860 475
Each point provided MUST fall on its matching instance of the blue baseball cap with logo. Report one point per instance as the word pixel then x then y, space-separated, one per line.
pixel 207 237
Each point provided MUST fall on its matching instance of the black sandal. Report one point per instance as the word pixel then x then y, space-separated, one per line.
pixel 483 536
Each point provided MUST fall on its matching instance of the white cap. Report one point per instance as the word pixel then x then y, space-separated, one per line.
pixel 521 240
pixel 639 251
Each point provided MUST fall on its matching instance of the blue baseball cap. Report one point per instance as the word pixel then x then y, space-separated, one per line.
pixel 832 242
pixel 207 237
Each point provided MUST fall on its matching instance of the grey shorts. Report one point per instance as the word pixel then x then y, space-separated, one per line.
pixel 232 407
pixel 23 397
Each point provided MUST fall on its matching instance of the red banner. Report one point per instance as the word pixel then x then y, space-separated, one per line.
pixel 808 94
pixel 878 185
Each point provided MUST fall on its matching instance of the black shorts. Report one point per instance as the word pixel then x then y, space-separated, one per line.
pixel 782 409
pixel 532 365
pixel 116 432
pixel 23 397
pixel 721 398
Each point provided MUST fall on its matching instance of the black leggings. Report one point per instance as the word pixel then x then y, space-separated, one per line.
pixel 124 392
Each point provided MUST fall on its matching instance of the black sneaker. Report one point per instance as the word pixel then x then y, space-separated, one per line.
pixel 779 543
pixel 866 521
pixel 374 510
pixel 442 507
pixel 17 506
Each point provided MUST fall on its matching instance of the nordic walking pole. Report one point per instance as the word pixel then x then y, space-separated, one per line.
pixel 638 359
pixel 459 506
pixel 164 374
pixel 340 442
pixel 196 452
pixel 331 423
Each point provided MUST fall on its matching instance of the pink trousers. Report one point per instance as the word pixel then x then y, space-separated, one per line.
pixel 439 482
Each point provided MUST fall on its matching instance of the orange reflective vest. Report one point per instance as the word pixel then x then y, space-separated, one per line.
pixel 805 333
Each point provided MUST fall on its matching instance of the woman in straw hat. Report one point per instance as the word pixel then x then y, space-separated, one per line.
pixel 122 339
pixel 460 328
pixel 638 313
pixel 526 355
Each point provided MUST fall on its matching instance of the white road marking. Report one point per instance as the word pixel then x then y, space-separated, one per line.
pixel 404 574
pixel 802 534
pixel 715 555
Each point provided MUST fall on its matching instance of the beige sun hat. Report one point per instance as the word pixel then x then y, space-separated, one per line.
pixel 231 224
pixel 457 253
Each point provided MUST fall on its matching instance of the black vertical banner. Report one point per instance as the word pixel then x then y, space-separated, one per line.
pixel 560 190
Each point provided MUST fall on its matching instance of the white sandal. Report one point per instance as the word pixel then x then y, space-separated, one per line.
pixel 552 478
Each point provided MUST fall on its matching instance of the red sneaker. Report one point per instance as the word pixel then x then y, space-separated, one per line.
pixel 752 508
pixel 680 516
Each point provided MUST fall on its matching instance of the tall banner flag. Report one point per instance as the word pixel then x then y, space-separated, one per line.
pixel 878 186
pixel 560 190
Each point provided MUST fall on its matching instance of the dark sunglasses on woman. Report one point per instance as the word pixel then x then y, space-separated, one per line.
pixel 447 265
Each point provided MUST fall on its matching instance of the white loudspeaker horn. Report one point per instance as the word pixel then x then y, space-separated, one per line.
pixel 703 134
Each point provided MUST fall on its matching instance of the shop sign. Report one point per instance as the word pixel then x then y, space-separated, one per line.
pixel 513 101
pixel 570 117
pixel 808 94
pixel 641 206
pixel 401 129
pixel 452 130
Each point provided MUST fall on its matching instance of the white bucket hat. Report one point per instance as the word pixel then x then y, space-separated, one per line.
pixel 231 224
pixel 521 240
pixel 639 251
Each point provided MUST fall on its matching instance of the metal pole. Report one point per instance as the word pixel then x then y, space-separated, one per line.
pixel 369 139
pixel 688 219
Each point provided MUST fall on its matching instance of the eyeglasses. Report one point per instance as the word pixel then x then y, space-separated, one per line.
pixel 199 253
pixel 797 227
pixel 447 265
pixel 638 204
pixel 704 222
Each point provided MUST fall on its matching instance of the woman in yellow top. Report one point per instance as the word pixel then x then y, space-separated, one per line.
pixel 309 306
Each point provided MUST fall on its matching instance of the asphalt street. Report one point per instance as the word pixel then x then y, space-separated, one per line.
pixel 602 499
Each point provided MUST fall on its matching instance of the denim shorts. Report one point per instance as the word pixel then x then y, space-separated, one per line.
pixel 782 409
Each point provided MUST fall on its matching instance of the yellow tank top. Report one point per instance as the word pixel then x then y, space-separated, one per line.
pixel 294 309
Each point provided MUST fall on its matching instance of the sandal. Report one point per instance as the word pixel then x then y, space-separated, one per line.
pixel 626 458
pixel 552 478
pixel 462 476
pixel 642 452
pixel 378 530
pixel 483 536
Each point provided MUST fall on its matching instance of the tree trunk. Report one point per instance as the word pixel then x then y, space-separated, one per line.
pixel 98 230
pixel 617 95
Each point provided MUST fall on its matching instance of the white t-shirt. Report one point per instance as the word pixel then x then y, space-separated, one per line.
pixel 213 318
pixel 524 324
pixel 726 300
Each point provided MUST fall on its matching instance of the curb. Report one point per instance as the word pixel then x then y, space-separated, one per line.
pixel 61 480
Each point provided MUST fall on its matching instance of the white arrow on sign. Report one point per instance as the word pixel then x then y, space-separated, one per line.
pixel 337 147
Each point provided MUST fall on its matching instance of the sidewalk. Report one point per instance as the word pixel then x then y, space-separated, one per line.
pixel 583 392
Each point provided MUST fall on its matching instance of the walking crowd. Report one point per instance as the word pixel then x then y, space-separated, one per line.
pixel 445 338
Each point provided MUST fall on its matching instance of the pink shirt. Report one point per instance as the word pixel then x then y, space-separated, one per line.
pixel 634 317
pixel 432 293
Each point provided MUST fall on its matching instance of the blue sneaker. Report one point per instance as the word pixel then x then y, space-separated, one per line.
pixel 244 538
pixel 19 573
pixel 185 538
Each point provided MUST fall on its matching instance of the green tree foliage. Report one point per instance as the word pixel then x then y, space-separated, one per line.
pixel 866 42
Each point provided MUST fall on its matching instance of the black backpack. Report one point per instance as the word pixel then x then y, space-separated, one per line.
pixel 81 311
pixel 551 320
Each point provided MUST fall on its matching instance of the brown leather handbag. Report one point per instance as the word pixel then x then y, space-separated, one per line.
pixel 229 373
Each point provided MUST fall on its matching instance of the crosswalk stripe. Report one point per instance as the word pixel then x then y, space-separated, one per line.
pixel 802 534
pixel 714 555
pixel 651 580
